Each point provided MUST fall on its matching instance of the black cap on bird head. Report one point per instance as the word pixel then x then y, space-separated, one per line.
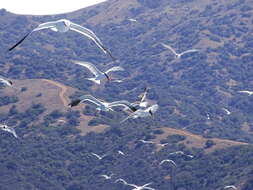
pixel 10 82
pixel 74 103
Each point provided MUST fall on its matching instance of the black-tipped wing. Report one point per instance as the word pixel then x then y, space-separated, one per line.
pixel 90 34
pixel 20 41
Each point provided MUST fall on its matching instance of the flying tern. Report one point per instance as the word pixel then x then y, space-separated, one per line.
pixel 99 157
pixel 227 111
pixel 136 187
pixel 246 92
pixel 181 153
pixel 121 153
pixel 6 82
pixel 169 161
pixel 99 75
pixel 147 142
pixel 230 186
pixel 11 130
pixel 132 20
pixel 64 25
pixel 178 55
pixel 107 177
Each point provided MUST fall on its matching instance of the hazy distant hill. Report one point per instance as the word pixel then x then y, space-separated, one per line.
pixel 187 90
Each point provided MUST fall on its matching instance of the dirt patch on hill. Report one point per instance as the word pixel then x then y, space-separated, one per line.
pixel 52 95
pixel 197 141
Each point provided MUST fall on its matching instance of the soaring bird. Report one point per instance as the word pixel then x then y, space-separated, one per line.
pixel 181 153
pixel 147 142
pixel 6 82
pixel 99 157
pixel 136 187
pixel 9 129
pixel 64 25
pixel 162 145
pixel 142 112
pixel 101 105
pixel 227 111
pixel 107 177
pixel 99 76
pixel 178 55
pixel 246 92
pixel 132 20
pixel 169 161
pixel 121 153
pixel 230 186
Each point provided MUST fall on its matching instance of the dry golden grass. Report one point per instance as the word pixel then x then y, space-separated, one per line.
pixel 54 97
pixel 196 141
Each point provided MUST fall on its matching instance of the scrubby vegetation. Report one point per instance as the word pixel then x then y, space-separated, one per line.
pixel 50 155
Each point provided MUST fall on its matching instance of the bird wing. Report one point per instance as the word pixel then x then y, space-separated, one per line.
pixel 123 103
pixel 20 41
pixel 149 188
pixel 91 99
pixel 170 48
pixel 144 95
pixel 89 66
pixel 91 35
pixel 130 116
pixel 118 68
pixel 45 25
pixel 122 181
pixel 40 27
pixel 189 51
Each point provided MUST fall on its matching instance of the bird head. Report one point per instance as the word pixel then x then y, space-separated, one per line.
pixel 74 103
pixel 10 82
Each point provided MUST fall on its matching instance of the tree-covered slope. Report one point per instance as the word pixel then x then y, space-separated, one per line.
pixel 52 156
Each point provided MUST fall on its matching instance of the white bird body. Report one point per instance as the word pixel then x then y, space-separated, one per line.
pixel 9 129
pixel 142 112
pixel 64 25
pixel 99 75
pixel 169 161
pixel 230 186
pixel 246 92
pixel 179 55
pixel 6 82
pixel 227 111
pixel 98 157
pixel 135 186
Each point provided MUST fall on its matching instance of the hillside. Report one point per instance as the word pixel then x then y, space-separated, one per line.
pixel 192 93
